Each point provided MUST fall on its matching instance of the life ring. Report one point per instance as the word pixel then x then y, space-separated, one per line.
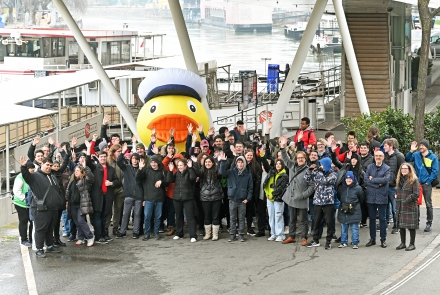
pixel 263 116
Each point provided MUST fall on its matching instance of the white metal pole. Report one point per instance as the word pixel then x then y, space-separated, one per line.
pixel 59 117
pixel 7 157
pixel 351 57
pixel 297 64
pixel 185 44
pixel 99 97
pixel 97 67
pixel 64 98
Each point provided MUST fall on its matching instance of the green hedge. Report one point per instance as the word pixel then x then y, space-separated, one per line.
pixel 398 125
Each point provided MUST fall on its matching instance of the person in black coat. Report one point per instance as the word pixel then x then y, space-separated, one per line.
pixel 133 192
pixel 153 185
pixel 46 189
pixel 102 192
pixel 183 196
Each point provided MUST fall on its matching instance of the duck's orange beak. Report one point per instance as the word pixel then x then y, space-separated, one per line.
pixel 164 123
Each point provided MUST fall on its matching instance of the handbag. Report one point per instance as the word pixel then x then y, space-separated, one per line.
pixel 420 199
pixel 280 197
pixel 347 208
pixel 435 182
pixel 40 203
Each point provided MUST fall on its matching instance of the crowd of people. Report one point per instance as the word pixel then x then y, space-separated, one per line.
pixel 260 186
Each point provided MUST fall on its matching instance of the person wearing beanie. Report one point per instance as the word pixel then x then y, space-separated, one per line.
pixel 103 146
pixel 426 167
pixel 153 182
pixel 350 194
pixel 324 178
pixel 376 180
pixel 240 190
pixel 133 193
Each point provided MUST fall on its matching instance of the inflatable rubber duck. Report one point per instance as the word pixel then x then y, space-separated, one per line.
pixel 172 98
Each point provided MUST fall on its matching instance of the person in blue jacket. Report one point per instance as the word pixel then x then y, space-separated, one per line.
pixel 426 166
pixel 240 189
pixel 350 193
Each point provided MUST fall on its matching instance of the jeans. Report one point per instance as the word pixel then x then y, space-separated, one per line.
pixel 171 213
pixel 99 219
pixel 128 204
pixel 212 212
pixel 23 221
pixel 66 222
pixel 149 208
pixel 304 223
pixel 392 205
pixel 427 195
pixel 81 223
pixel 354 233
pixel 312 214
pixel 188 206
pixel 276 219
pixel 382 208
pixel 237 210
pixel 321 212
pixel 286 214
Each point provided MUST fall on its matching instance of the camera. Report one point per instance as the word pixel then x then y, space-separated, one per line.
pixel 390 8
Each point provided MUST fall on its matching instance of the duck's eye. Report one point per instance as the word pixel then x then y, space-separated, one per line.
pixel 191 106
pixel 154 106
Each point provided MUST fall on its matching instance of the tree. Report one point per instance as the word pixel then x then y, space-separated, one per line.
pixel 425 16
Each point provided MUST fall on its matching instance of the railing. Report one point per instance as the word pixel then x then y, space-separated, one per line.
pixel 80 66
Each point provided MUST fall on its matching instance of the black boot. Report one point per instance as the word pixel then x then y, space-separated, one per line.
pixel 58 242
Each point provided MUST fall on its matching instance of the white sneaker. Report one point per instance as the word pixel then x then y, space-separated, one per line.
pixel 286 230
pixel 193 240
pixel 279 239
pixel 176 238
pixel 91 242
pixel 66 235
pixel 271 238
pixel 79 242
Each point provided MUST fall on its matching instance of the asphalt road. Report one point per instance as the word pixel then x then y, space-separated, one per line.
pixel 256 266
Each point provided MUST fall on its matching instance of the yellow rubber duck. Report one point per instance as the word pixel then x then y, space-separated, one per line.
pixel 172 99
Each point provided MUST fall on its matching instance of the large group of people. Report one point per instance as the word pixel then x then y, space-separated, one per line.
pixel 260 186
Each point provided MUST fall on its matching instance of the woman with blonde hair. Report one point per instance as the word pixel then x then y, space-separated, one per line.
pixel 406 205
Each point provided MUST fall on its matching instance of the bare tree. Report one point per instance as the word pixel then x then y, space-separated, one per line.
pixel 425 16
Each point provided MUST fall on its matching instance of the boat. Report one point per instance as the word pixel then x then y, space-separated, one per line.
pixel 236 15
pixel 326 44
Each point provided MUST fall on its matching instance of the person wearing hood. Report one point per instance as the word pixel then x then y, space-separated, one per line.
pixel 426 167
pixel 46 190
pixel 377 178
pixel 407 194
pixel 350 194
pixel 240 191
pixel 297 194
pixel 133 193
pixel 304 136
pixel 393 159
pixel 275 185
pixel 324 179
pixel 184 180
pixel 153 182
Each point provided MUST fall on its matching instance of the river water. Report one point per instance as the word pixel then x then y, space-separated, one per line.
pixel 242 50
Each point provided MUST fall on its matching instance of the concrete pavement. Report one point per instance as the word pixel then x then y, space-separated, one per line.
pixel 257 266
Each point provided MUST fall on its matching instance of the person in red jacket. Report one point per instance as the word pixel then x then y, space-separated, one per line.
pixel 304 136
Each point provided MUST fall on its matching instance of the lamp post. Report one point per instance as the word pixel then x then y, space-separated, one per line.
pixel 265 68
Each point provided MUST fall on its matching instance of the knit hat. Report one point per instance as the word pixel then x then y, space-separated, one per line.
pixel 155 159
pixel 204 143
pixel 140 145
pixel 350 174
pixel 425 143
pixel 29 164
pixel 82 155
pixel 102 145
pixel 197 144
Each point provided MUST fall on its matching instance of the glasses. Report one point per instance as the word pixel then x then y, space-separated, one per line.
pixel 299 158
pixel 404 168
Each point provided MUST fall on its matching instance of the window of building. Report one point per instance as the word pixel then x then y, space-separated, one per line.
pixel 115 48
pixel 61 47
pixel 125 57
pixel 46 47
pixel 73 53
pixel 54 47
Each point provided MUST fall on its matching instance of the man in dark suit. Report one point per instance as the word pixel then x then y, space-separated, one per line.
pixel 102 192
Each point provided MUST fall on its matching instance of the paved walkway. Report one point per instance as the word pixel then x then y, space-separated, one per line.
pixel 257 266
